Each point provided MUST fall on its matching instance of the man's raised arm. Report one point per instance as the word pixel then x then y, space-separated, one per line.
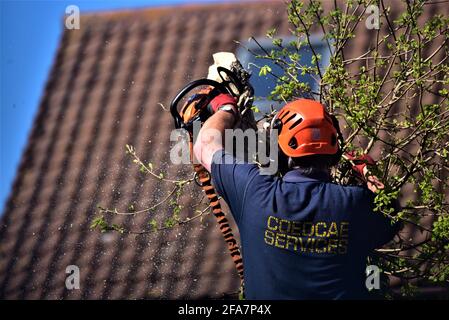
pixel 211 135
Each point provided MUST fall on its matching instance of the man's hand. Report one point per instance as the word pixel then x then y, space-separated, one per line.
pixel 360 166
pixel 210 138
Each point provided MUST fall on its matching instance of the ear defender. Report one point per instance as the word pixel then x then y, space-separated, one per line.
pixel 336 139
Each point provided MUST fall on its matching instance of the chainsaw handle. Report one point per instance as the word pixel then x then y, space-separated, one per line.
pixel 233 80
pixel 218 88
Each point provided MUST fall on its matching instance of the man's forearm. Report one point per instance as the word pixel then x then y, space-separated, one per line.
pixel 211 136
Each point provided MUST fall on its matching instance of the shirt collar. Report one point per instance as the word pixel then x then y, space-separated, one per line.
pixel 297 176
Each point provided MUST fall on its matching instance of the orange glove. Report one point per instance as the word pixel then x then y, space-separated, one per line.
pixel 359 165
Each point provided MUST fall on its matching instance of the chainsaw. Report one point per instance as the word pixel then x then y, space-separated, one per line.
pixel 226 75
pixel 233 80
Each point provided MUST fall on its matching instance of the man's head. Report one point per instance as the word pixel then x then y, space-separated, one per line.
pixel 308 135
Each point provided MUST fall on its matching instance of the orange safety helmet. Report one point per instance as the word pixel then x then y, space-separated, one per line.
pixel 305 128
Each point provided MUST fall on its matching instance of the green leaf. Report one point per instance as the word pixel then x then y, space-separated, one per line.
pixel 255 109
pixel 99 222
pixel 264 70
pixel 271 32
pixel 118 228
pixel 153 223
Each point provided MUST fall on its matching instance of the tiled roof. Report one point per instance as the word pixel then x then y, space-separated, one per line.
pixel 103 93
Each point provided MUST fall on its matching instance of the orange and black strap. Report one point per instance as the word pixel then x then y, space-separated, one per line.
pixel 223 223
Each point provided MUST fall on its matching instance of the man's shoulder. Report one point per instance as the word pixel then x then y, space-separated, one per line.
pixel 226 161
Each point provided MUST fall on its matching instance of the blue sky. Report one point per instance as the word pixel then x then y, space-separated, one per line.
pixel 29 35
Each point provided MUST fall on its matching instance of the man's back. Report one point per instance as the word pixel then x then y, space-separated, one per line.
pixel 302 237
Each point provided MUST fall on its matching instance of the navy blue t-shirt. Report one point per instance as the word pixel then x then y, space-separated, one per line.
pixel 302 237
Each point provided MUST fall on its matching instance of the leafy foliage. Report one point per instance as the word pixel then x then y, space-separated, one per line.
pixel 393 98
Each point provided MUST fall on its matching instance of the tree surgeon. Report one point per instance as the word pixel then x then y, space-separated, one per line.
pixel 303 236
